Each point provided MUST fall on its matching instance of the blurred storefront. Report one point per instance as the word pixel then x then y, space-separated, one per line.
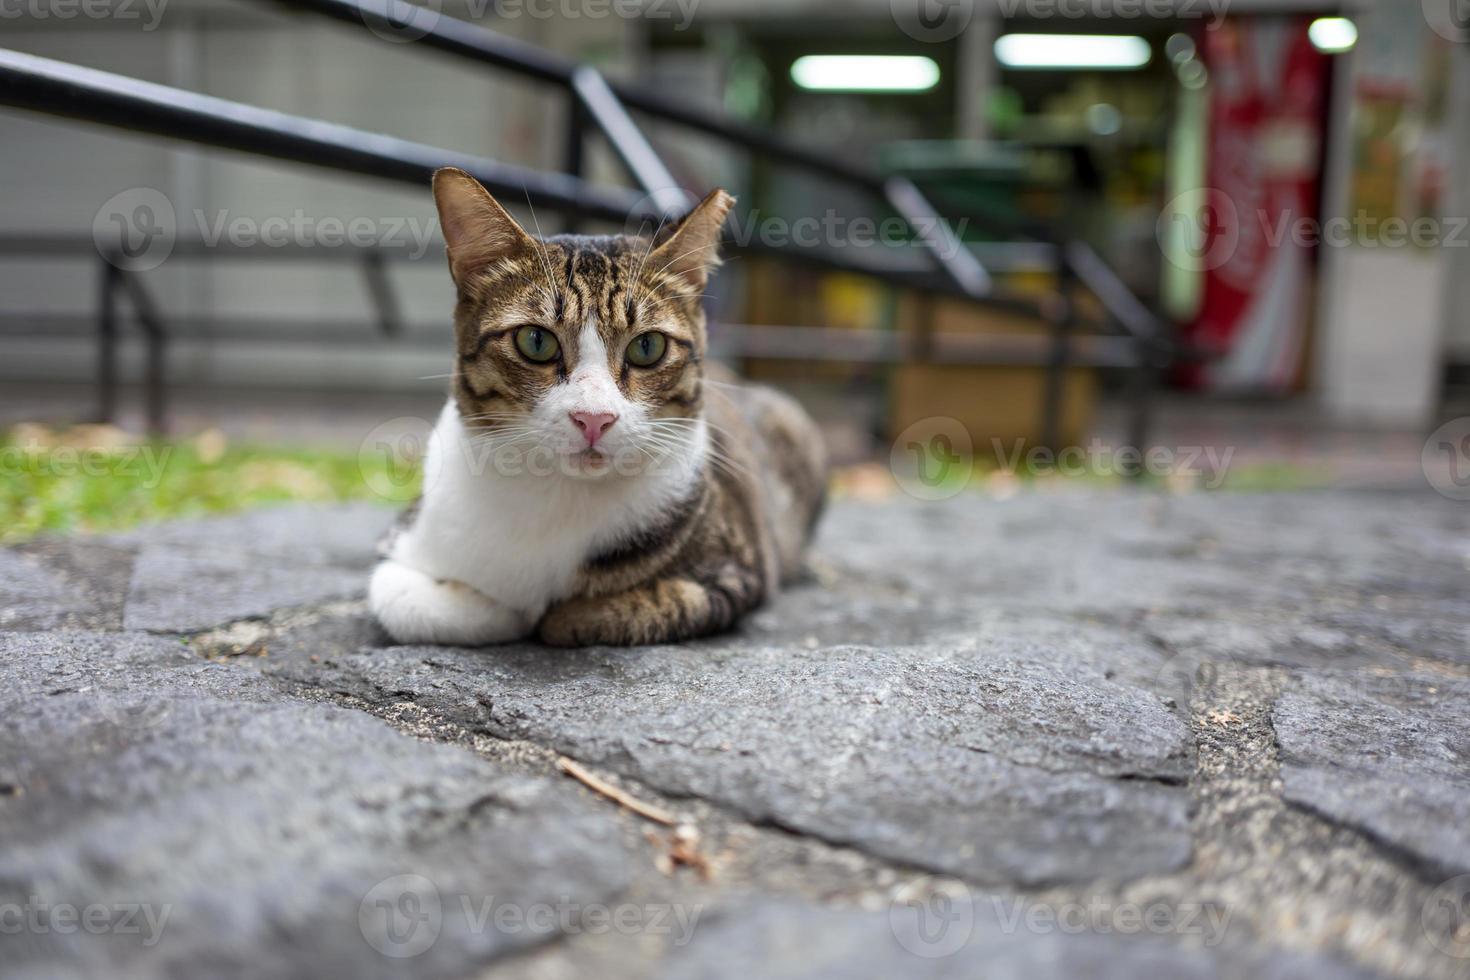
pixel 1294 202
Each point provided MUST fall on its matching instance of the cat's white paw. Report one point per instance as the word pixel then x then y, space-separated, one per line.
pixel 418 608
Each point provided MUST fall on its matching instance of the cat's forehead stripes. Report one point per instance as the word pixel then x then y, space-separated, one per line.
pixel 595 295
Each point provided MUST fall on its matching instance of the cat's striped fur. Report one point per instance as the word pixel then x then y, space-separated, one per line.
pixel 721 483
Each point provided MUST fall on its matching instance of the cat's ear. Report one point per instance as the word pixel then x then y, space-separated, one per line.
pixel 691 250
pixel 477 230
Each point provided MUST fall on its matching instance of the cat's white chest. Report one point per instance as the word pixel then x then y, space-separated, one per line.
pixel 520 537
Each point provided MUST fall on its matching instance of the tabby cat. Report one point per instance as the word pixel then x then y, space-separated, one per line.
pixel 588 481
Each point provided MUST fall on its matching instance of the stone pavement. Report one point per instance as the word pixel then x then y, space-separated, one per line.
pixel 1103 734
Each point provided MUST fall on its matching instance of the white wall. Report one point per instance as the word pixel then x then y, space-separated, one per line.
pixel 1388 316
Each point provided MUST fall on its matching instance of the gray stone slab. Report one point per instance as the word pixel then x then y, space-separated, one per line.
pixel 1384 754
pixel 34 597
pixel 965 938
pixel 191 576
pixel 311 534
pixel 1269 638
pixel 220 827
pixel 1116 553
pixel 997 769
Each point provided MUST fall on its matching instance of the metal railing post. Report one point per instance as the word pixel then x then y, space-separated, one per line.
pixel 1142 381
pixel 1059 314
pixel 107 342
pixel 950 254
pixel 645 166
pixel 574 151
pixel 155 338
pixel 390 322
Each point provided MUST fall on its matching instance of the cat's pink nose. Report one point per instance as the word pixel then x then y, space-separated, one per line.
pixel 593 424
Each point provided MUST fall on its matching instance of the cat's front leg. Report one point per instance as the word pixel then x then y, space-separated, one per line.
pixel 418 608
pixel 666 610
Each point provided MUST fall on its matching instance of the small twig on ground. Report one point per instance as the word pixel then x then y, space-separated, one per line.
pixel 598 785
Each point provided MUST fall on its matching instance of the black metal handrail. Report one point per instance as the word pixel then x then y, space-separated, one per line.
pixel 605 105
pixel 469 40
pixel 42 84
pixel 59 88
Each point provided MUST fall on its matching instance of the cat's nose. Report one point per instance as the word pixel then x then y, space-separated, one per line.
pixel 593 424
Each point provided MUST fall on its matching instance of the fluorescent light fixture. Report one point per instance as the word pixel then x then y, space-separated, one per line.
pixel 1333 35
pixel 1072 51
pixel 865 72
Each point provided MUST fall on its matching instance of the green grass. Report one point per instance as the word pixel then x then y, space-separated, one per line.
pixel 92 479
pixel 64 488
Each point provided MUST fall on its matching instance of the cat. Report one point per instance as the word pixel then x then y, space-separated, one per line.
pixel 589 481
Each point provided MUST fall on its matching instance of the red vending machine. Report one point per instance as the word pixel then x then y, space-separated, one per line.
pixel 1264 147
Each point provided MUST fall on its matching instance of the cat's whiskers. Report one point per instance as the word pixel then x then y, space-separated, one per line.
pixel 716 456
pixel 540 247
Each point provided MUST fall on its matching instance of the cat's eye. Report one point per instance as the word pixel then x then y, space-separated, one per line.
pixel 537 344
pixel 647 349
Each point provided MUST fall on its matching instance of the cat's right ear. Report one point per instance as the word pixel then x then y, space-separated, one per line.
pixel 477 230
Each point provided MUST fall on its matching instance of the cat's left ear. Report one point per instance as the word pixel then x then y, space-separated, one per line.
pixel 477 230
pixel 691 251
